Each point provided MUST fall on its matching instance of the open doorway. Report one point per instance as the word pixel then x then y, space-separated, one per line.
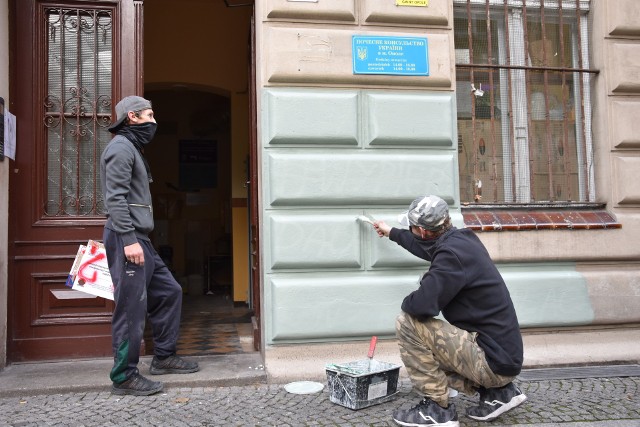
pixel 197 77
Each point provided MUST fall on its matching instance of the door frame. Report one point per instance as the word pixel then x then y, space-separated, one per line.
pixel 253 184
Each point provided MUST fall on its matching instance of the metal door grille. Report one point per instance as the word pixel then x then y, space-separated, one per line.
pixel 77 108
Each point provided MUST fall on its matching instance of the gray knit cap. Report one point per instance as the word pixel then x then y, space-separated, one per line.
pixel 128 103
pixel 428 212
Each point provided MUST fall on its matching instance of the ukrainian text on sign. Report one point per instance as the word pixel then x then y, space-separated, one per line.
pixel 390 55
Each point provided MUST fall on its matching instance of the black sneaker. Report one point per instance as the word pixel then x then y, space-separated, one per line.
pixel 173 365
pixel 495 402
pixel 137 385
pixel 427 413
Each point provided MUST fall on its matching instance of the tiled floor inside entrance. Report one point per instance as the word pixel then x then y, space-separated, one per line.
pixel 211 324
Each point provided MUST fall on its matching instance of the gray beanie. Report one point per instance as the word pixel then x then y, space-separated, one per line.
pixel 128 103
pixel 428 212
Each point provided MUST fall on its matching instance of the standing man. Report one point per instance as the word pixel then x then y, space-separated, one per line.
pixel 479 347
pixel 143 284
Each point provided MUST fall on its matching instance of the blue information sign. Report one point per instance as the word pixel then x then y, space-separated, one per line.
pixel 407 56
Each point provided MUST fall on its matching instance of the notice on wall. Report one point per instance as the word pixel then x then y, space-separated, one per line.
pixel 9 135
pixel 1 128
pixel 417 3
pixel 408 56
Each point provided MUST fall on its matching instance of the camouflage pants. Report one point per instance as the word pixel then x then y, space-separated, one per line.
pixel 438 355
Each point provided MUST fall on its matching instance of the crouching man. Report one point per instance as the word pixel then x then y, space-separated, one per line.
pixel 478 349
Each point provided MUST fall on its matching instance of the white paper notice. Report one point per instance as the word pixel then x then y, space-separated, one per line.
pixel 9 135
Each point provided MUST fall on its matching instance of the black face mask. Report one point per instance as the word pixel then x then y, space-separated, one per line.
pixel 140 135
pixel 429 245
pixel 145 131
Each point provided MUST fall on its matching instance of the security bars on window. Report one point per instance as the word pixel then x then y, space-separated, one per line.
pixel 77 108
pixel 524 101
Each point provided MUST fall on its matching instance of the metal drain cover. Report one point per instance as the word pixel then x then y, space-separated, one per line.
pixel 540 374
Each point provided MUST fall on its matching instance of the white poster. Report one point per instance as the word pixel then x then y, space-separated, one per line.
pixel 9 135
pixel 90 271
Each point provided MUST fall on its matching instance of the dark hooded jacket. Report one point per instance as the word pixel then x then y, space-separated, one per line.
pixel 464 284
pixel 125 186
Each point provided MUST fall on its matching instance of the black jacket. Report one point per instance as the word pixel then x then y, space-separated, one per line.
pixel 125 186
pixel 464 284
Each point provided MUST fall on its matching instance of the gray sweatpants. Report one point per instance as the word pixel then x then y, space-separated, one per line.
pixel 438 355
pixel 140 292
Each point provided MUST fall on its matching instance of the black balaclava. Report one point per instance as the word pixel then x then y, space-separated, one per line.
pixel 140 135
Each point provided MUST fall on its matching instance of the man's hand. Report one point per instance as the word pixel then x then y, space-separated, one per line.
pixel 134 254
pixel 382 228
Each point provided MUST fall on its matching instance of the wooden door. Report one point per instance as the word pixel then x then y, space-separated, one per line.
pixel 71 62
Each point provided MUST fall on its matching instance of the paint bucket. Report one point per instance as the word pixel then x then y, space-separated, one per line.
pixel 362 383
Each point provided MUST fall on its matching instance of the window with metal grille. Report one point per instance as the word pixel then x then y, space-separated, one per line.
pixel 77 108
pixel 524 101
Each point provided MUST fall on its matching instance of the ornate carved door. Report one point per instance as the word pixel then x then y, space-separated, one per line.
pixel 71 62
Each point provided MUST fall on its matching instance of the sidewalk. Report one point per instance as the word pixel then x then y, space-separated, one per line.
pixel 29 379
pixel 230 391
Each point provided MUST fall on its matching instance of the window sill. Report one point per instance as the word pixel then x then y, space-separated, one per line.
pixel 519 219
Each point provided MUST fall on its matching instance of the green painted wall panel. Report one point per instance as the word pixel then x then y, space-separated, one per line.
pixel 317 306
pixel 329 155
pixel 401 119
pixel 549 294
pixel 313 240
pixel 309 117
pixel 357 177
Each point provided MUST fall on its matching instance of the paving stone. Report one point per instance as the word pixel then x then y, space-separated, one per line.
pixel 592 400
